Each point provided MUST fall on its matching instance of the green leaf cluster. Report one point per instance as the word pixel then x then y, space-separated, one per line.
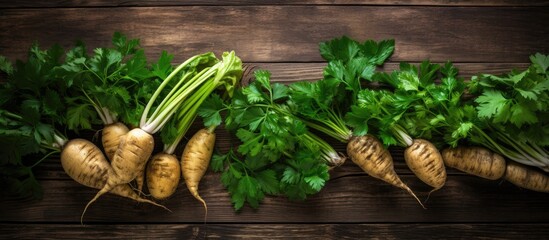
pixel 112 84
pixel 514 110
pixel 16 141
pixel 31 109
pixel 415 103
pixel 324 103
pixel 350 63
pixel 517 102
pixel 199 83
pixel 272 158
pixel 53 92
pixel 507 113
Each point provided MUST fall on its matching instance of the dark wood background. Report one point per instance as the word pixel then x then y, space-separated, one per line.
pixel 283 36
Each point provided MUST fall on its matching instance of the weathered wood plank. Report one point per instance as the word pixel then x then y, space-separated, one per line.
pixel 117 3
pixel 349 198
pixel 289 33
pixel 51 169
pixel 284 39
pixel 276 231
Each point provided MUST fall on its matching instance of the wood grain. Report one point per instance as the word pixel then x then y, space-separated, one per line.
pixel 289 33
pixel 350 198
pixel 275 231
pixel 118 3
pixel 282 36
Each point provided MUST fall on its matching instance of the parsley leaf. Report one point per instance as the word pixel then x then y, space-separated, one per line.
pixel 31 108
pixel 104 80
pixel 510 106
pixel 493 104
pixel 271 145
pixel 540 62
pixel 210 110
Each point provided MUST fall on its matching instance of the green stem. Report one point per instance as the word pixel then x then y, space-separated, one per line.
pixel 94 73
pixel 12 115
pixel 211 129
pixel 155 95
pixel 187 114
pixel 203 86
pixel 328 131
pixel 528 154
pixel 175 103
pixel 109 116
pixel 168 102
pixel 182 80
pixel 45 157
pixel 97 108
pixel 60 140
pixel 540 150
pixel 328 152
pixel 172 104
pixel 401 135
pixel 113 73
pixel 334 126
pixel 339 124
pixel 489 143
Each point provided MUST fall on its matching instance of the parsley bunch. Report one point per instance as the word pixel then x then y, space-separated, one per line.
pixel 31 111
pixel 515 109
pixel 54 92
pixel 508 114
pixel 323 103
pixel 413 105
pixel 112 83
pixel 277 155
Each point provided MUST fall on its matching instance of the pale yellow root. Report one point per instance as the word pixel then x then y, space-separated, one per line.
pixel 425 161
pixel 85 163
pixel 163 175
pixel 140 180
pixel 111 137
pixel 527 177
pixel 195 160
pixel 474 160
pixel 370 155
pixel 131 156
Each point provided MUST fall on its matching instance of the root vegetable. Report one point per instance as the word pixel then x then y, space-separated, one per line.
pixel 475 160
pixel 135 149
pixel 424 159
pixel 112 134
pixel 368 153
pixel 527 177
pixel 130 159
pixel 132 155
pixel 140 180
pixel 85 163
pixel 195 160
pixel 163 175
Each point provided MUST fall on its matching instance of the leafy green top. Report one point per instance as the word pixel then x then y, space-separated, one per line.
pixel 415 105
pixel 517 102
pixel 31 109
pixel 225 74
pixel 273 157
pixel 514 109
pixel 110 84
pixel 323 104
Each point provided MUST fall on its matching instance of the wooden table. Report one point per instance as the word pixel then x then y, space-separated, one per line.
pixel 283 36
